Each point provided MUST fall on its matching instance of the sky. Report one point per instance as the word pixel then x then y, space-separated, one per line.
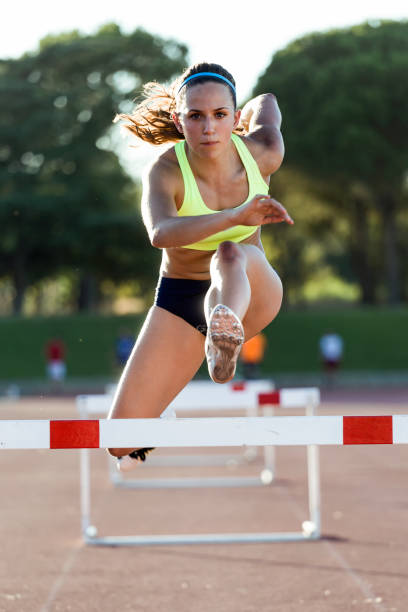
pixel 241 36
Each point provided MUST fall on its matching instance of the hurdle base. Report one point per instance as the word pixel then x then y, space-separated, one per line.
pixel 222 460
pixel 264 479
pixel 206 538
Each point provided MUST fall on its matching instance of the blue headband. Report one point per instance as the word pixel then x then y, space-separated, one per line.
pixel 211 74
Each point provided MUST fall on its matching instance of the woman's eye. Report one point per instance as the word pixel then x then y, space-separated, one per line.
pixel 220 115
pixel 195 116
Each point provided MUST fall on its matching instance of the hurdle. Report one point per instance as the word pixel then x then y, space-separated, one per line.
pixel 304 398
pixel 324 430
pixel 206 432
pixel 246 399
pixel 197 396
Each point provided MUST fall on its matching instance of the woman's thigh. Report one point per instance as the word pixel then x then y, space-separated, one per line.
pixel 167 354
pixel 266 291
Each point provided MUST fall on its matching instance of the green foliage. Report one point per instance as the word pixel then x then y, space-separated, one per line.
pixel 344 98
pixel 315 243
pixel 65 202
pixel 55 39
pixel 342 92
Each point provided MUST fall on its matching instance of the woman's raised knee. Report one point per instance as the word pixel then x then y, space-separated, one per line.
pixel 229 252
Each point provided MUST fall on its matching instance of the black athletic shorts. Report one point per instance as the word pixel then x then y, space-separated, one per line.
pixel 184 298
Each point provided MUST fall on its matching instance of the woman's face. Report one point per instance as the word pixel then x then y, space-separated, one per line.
pixel 206 116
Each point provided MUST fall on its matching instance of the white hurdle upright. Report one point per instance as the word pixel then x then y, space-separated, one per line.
pixel 197 396
pixel 309 400
pixel 305 398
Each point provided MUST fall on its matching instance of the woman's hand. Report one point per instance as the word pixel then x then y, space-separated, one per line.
pixel 262 210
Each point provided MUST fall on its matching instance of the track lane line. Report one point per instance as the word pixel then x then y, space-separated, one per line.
pixel 363 586
pixel 59 581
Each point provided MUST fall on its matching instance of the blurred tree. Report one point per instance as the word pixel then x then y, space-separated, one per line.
pixel 65 201
pixel 344 98
pixel 316 241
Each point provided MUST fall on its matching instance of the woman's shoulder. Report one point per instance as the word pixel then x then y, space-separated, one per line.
pixel 164 163
pixel 163 174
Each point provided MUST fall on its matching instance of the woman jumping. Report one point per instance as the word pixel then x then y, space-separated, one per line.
pixel 204 200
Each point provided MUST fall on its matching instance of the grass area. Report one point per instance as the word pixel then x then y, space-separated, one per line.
pixel 375 339
pixel 89 340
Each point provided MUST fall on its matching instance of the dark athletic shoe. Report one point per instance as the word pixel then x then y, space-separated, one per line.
pixel 129 462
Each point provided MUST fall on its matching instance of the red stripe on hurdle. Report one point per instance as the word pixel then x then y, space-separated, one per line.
pixel 74 434
pixel 272 397
pixel 238 386
pixel 367 430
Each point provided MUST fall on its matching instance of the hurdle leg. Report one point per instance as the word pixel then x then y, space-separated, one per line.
pixel 269 470
pixel 251 452
pixel 88 530
pixel 313 526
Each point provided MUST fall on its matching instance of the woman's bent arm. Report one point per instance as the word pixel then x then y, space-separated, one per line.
pixel 261 119
pixel 260 112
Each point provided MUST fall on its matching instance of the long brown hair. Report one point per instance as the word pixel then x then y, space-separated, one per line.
pixel 151 119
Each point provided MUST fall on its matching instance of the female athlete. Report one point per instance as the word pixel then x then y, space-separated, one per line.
pixel 204 201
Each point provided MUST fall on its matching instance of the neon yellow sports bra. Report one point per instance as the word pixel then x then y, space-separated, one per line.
pixel 193 203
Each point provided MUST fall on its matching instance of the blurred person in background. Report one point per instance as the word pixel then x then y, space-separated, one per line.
pixel 252 354
pixel 123 347
pixel 55 356
pixel 331 353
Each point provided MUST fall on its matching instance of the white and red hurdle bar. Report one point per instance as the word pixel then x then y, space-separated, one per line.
pixel 228 431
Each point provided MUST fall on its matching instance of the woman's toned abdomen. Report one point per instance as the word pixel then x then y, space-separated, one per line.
pixel 191 263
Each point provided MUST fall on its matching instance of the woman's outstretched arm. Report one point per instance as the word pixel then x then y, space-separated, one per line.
pixel 167 230
pixel 164 227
